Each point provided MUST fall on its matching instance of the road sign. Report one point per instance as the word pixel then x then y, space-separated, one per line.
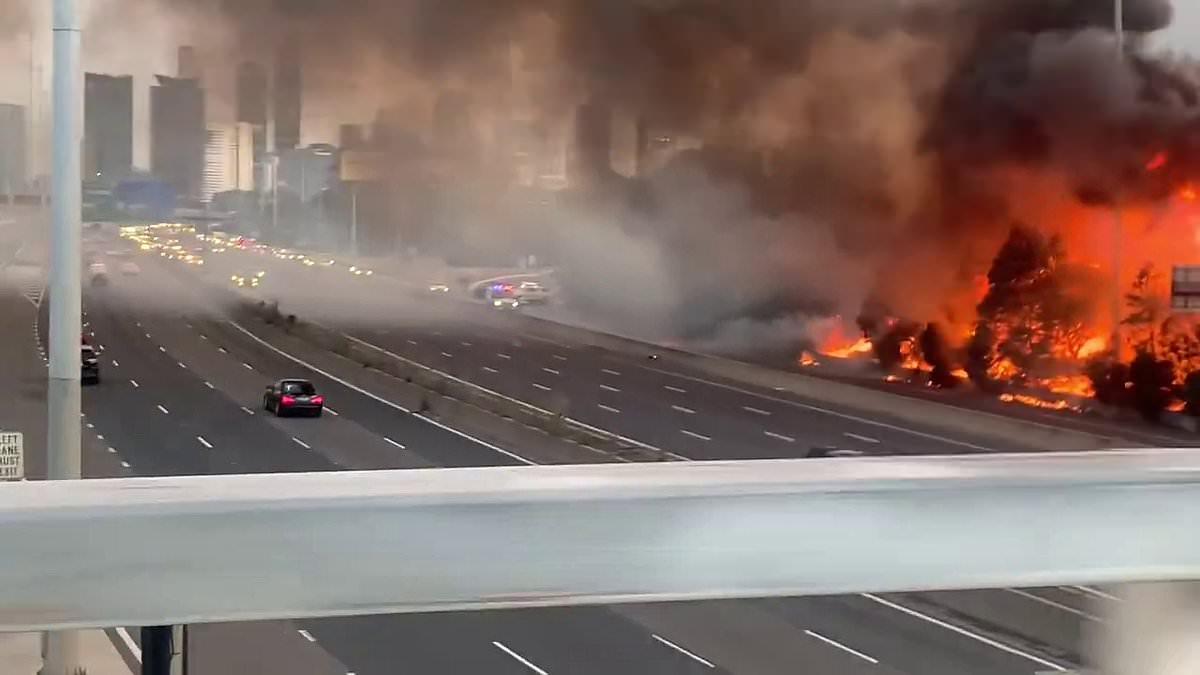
pixel 1185 288
pixel 361 166
pixel 12 455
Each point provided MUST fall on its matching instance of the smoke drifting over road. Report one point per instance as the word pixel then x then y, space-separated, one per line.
pixel 852 152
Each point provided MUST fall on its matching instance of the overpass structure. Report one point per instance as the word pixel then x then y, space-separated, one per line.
pixel 157 551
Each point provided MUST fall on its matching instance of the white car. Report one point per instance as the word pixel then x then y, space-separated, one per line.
pixel 439 288
pixel 505 303
pixel 130 269
pixel 532 293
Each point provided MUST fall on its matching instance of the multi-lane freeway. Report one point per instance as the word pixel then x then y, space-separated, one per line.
pixel 182 395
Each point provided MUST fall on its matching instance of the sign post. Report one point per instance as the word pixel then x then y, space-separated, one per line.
pixel 12 455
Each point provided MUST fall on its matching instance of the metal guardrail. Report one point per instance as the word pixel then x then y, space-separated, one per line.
pixel 157 551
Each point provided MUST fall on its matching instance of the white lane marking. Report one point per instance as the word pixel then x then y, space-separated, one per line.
pixel 306 635
pixel 681 650
pixel 91 426
pixel 677 390
pixel 99 437
pixel 247 366
pixel 209 385
pixel 466 344
pixel 301 443
pixel 780 437
pixel 163 410
pixel 380 399
pixel 614 373
pixel 518 658
pixel 491 370
pixel 247 410
pixel 551 371
pixel 857 437
pixel 1050 603
pixel 162 349
pixel 203 336
pixel 398 445
pixel 609 408
pixel 204 442
pixel 825 411
pixel 1090 590
pixel 188 324
pixel 182 364
pixel 614 390
pixel 411 342
pixel 541 386
pixel 686 411
pixel 129 643
pixel 695 435
pixel 147 336
pixel 333 412
pixel 503 355
pixel 447 355
pixel 756 411
pixel 135 384
pixel 115 364
pixel 964 632
pixel 125 464
pixel 112 450
pixel 222 350
pixel 559 357
pixel 835 643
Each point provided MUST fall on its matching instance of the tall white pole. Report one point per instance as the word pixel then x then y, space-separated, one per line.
pixel 62 441
pixel 354 219
pixel 1118 227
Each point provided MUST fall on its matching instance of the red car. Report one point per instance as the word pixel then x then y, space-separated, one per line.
pixel 287 397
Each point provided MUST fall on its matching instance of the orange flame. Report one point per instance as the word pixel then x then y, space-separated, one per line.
pixel 1035 402
pixel 1188 193
pixel 1094 346
pixel 807 359
pixel 862 346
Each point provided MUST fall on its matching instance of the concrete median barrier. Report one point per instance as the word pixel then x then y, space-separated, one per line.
pixel 975 423
pixel 451 398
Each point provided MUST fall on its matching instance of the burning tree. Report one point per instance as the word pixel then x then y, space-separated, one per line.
pixel 1036 315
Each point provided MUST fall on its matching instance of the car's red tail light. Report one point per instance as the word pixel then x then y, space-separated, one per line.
pixel 287 400
pixel 318 400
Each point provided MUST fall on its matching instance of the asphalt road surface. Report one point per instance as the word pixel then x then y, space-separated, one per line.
pixel 182 395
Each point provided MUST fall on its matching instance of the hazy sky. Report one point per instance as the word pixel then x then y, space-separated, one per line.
pixel 1184 34
pixel 155 53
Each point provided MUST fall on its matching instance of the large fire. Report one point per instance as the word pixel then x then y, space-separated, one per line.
pixel 1044 321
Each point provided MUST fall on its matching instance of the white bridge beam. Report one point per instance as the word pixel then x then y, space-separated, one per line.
pixel 202 549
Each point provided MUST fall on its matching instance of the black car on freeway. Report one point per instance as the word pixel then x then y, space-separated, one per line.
pixel 90 364
pixel 287 397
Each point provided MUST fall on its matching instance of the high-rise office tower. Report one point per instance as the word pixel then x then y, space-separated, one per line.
pixel 13 145
pixel 178 133
pixel 592 156
pixel 287 94
pixel 108 128
pixel 228 159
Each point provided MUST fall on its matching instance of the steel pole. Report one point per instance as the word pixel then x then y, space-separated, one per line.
pixel 63 438
pixel 354 219
pixel 1118 227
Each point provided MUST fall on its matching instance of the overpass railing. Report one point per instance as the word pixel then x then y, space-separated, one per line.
pixel 160 551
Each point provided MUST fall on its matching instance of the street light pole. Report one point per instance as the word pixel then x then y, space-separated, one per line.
pixel 61 655
pixel 1118 227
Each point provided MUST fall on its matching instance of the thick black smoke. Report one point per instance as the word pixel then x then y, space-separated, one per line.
pixel 851 150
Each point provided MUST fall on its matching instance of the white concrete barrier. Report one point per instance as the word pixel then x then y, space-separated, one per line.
pixel 203 549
